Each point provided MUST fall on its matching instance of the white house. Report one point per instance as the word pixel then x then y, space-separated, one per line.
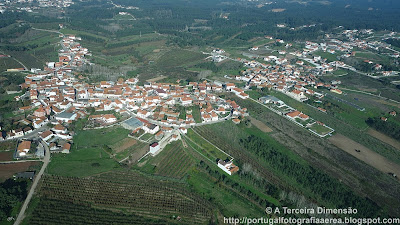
pixel 154 148
pixel 227 166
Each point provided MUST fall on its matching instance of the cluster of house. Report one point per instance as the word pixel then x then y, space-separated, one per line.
pixel 165 103
pixel 16 5
pixel 288 79
pixel 301 119
pixel 53 94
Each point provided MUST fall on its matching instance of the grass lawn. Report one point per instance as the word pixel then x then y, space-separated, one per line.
pixel 87 155
pixel 326 55
pixel 81 163
pixel 322 130
pixel 99 137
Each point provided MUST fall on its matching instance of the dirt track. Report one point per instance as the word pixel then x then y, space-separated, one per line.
pixel 384 138
pixel 366 155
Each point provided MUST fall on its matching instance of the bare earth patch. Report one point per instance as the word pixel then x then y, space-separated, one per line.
pixel 6 156
pixel 156 79
pixel 123 144
pixel 278 10
pixel 384 138
pixel 365 154
pixel 260 125
pixel 8 170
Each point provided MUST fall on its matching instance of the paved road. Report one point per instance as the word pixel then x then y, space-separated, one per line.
pixel 46 161
pixel 33 134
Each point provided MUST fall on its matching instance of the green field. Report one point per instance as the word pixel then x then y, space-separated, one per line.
pixel 320 129
pixel 88 155
pixel 82 163
pixel 99 137
pixel 210 151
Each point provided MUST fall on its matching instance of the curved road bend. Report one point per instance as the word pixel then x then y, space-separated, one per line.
pixel 46 161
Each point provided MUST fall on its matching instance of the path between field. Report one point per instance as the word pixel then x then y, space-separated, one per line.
pixel 46 160
pixel 384 138
pixel 366 155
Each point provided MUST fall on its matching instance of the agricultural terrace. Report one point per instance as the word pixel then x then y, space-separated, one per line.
pixel 136 196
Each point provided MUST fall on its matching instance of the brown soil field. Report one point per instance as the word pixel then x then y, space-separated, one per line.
pixel 156 79
pixel 8 170
pixel 384 138
pixel 6 156
pixel 366 155
pixel 123 144
pixel 260 125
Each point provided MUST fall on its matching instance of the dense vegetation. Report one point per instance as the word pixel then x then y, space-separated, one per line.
pixel 12 192
pixel 394 42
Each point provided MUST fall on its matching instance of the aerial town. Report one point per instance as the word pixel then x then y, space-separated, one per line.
pixel 199 112
pixel 58 98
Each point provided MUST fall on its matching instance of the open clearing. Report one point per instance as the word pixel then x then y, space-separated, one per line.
pixel 384 138
pixel 8 170
pixel 366 155
pixel 156 79
pixel 278 10
pixel 260 125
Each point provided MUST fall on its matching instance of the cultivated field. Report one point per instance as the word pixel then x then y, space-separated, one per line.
pixel 123 144
pixel 365 154
pixel 8 170
pixel 133 198
pixel 172 161
pixel 260 125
